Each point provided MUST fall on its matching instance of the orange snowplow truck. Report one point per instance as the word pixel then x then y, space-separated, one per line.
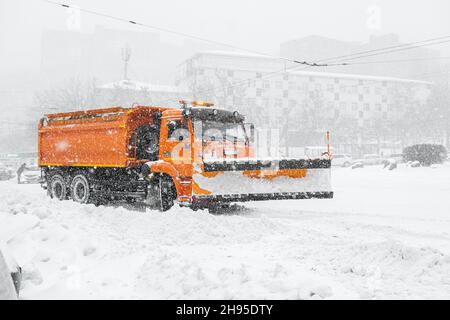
pixel 197 156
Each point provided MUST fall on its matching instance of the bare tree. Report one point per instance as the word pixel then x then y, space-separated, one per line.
pixel 72 95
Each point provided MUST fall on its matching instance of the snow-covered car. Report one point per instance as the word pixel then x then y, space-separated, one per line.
pixel 6 173
pixel 398 157
pixel 370 159
pixel 341 160
pixel 10 275
pixel 31 174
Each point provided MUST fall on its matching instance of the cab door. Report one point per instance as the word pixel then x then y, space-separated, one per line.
pixel 175 142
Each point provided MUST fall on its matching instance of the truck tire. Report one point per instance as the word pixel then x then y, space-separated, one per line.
pixel 161 193
pixel 57 187
pixel 80 189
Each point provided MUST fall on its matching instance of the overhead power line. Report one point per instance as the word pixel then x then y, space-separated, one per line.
pixel 375 52
pixel 343 61
pixel 183 34
pixel 335 61
pixel 395 61
pixel 357 55
pixel 386 48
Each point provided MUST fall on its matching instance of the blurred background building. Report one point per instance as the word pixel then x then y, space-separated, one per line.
pixel 365 113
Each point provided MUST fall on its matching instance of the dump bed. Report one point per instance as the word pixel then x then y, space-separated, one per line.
pixel 92 138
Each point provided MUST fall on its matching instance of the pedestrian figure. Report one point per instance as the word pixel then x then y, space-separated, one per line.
pixel 20 171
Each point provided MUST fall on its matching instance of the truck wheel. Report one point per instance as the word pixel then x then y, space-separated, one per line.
pixel 79 189
pixel 168 193
pixel 58 188
pixel 161 193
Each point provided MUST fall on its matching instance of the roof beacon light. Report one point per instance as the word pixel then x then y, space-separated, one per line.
pixel 202 104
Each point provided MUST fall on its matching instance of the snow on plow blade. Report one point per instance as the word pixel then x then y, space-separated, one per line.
pixel 246 180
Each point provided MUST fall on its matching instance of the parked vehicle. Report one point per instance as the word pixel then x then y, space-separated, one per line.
pixel 197 155
pixel 6 173
pixel 31 174
pixel 398 157
pixel 369 159
pixel 341 160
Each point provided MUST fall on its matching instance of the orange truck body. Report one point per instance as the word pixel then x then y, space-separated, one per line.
pixel 91 141
pixel 103 145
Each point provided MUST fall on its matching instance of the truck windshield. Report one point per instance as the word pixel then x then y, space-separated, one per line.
pixel 218 131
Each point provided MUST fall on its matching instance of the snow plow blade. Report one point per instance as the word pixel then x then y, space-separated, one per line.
pixel 257 180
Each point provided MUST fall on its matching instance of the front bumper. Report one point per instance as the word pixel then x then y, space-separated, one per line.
pixel 204 201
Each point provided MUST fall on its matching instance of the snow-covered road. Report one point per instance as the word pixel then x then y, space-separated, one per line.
pixel 385 235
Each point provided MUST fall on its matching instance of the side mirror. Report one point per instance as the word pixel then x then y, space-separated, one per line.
pixel 250 130
pixel 172 125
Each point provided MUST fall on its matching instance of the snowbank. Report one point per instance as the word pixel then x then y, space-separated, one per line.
pixel 385 235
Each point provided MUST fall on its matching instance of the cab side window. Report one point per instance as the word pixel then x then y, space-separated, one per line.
pixel 172 127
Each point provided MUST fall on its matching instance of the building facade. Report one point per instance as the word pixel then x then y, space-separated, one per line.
pixel 362 112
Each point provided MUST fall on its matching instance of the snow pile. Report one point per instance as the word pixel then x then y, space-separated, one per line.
pixel 384 235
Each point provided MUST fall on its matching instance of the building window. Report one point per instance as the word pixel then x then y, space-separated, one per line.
pixel 305 87
pixel 378 107
pixel 366 90
pixel 360 97
pixel 336 96
pixel 285 94
pixel 292 85
pixel 311 79
pixel 259 75
pixel 286 77
pixel 336 80
pixel 230 73
pixel 336 113
pixel 366 106
pixel 377 90
pixel 360 82
pixel 279 85
pixel 384 115
pixel 354 106
pixel 360 114
pixel 266 84
pixel 330 105
pixel 277 102
pixel 342 105
pixel 330 87
pixel 318 87
pixel 258 92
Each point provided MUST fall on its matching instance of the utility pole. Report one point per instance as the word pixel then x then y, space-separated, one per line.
pixel 126 54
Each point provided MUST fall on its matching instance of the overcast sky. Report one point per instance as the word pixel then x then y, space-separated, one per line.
pixel 254 24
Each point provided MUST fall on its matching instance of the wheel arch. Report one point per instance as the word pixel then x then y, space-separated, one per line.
pixel 165 168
